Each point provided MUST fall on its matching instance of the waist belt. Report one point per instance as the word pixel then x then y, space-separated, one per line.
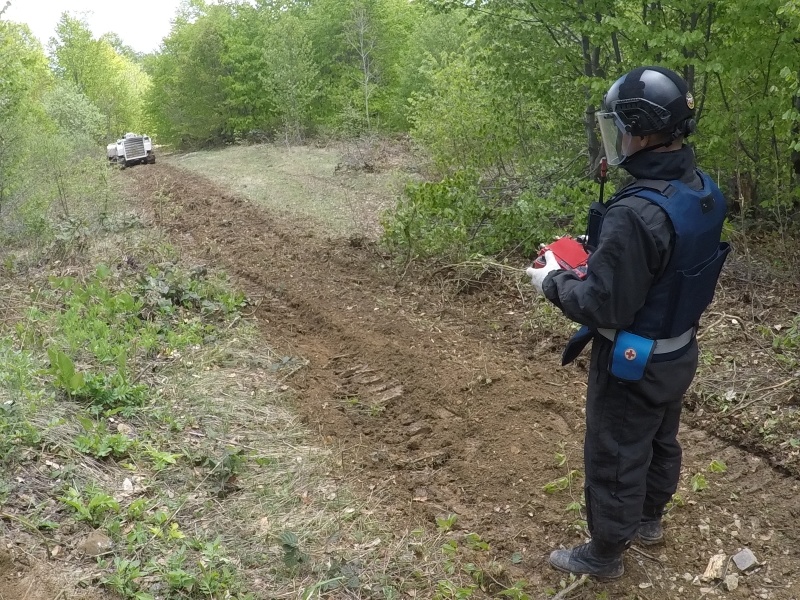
pixel 663 346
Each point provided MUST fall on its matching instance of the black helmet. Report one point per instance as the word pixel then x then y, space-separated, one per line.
pixel 645 101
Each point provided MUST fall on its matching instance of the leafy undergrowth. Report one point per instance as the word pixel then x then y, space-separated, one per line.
pixel 149 446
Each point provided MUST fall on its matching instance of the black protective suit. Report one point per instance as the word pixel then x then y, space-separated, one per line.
pixel 631 454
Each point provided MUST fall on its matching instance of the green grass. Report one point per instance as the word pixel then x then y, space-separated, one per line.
pixel 306 182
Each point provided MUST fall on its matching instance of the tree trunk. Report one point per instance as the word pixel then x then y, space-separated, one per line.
pixel 592 141
pixel 590 60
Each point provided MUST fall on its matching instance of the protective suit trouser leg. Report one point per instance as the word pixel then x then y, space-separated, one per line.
pixel 631 453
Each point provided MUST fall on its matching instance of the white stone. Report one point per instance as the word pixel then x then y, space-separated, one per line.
pixel 716 567
pixel 731 582
pixel 95 544
pixel 745 560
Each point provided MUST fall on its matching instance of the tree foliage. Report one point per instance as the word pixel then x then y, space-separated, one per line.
pixel 24 78
pixel 739 58
pixel 292 77
pixel 111 81
pixel 51 139
pixel 188 102
pixel 501 95
pixel 234 70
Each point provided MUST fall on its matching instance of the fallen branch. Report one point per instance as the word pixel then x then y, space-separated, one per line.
pixel 707 328
pixel 486 265
pixel 754 400
pixel 641 552
pixel 773 387
pixel 571 587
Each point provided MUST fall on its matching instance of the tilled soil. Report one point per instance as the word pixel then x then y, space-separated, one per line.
pixel 443 404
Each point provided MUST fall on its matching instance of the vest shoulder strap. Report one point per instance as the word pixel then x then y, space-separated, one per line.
pixel 661 186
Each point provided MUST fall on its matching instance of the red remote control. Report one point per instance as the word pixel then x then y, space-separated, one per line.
pixel 569 254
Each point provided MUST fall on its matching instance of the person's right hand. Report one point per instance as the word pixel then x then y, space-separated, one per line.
pixel 539 274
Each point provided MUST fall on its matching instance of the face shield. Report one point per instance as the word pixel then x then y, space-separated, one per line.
pixel 613 133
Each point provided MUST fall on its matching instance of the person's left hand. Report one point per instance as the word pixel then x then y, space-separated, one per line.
pixel 538 275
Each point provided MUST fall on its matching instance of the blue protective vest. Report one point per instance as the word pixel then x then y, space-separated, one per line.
pixel 686 287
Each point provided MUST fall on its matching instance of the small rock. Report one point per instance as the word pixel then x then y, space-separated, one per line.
pixel 415 442
pixel 391 394
pixel 264 525
pixel 443 413
pixel 420 428
pixel 95 544
pixel 125 429
pixel 127 486
pixel 745 560
pixel 731 582
pixel 715 568
pixel 378 456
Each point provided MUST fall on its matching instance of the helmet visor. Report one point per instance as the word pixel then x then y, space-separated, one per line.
pixel 612 130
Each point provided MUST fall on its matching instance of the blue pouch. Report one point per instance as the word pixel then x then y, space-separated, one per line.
pixel 630 355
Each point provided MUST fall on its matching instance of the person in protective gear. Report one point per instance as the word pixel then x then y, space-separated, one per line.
pixel 655 257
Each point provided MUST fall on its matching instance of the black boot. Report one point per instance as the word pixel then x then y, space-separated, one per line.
pixel 650 533
pixel 650 530
pixel 593 558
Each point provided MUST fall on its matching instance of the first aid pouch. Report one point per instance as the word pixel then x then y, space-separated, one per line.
pixel 630 355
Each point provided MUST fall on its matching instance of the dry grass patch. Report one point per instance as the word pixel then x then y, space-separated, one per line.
pixel 342 189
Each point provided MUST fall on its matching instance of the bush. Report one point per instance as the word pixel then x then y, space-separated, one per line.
pixel 464 215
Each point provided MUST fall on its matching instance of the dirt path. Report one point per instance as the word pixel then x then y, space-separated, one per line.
pixel 444 405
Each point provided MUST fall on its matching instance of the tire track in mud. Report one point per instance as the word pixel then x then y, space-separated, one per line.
pixel 437 412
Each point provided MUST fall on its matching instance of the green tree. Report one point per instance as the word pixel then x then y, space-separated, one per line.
pixel 112 82
pixel 75 115
pixel 24 78
pixel 251 109
pixel 187 95
pixel 292 77
pixel 433 38
pixel 358 46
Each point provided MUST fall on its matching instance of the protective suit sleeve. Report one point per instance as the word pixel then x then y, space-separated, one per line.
pixel 632 251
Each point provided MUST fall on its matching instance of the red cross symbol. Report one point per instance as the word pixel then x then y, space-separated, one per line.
pixel 630 354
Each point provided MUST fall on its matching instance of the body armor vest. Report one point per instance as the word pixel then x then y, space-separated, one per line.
pixel 686 286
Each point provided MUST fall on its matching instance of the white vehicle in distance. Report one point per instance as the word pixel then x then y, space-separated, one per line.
pixel 132 149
